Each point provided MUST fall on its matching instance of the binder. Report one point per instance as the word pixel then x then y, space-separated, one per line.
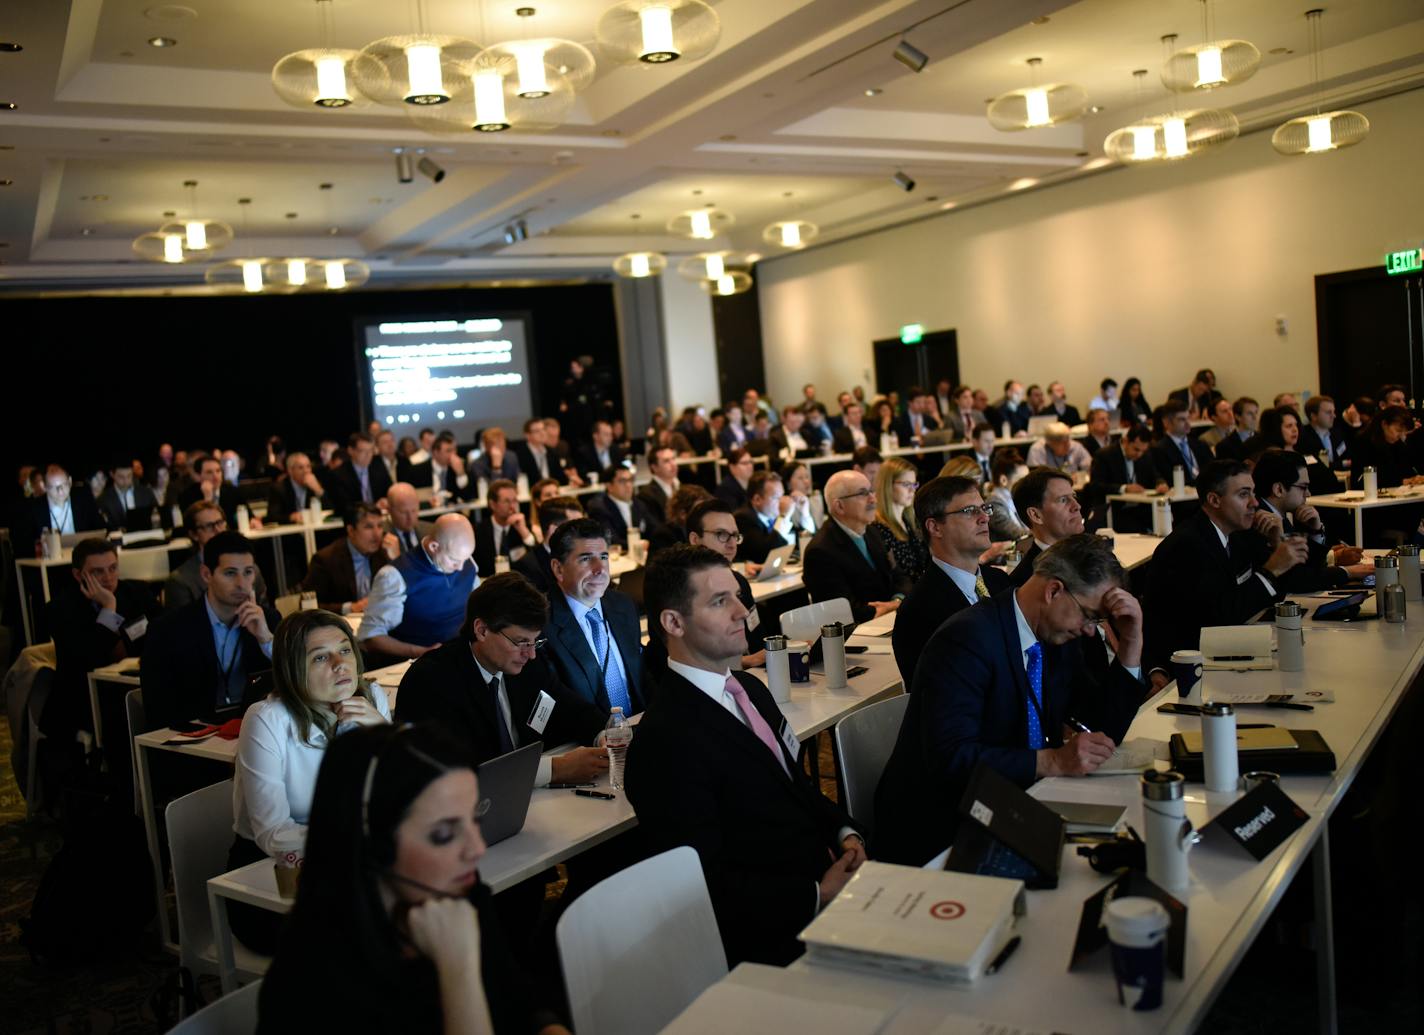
pixel 1309 754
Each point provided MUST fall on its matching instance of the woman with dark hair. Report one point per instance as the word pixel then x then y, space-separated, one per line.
pixel 881 420
pixel 1280 429
pixel 1134 408
pixel 392 929
pixel 1381 445
pixel 319 692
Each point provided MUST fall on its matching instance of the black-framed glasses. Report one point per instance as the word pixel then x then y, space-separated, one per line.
pixel 1302 486
pixel 219 525
pixel 529 645
pixel 986 509
pixel 724 537
pixel 1098 620
pixel 857 494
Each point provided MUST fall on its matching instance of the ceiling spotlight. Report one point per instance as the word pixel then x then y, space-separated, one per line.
pixel 429 169
pixel 162 41
pixel 10 48
pixel 911 56
pixel 404 168
pixel 903 182
pixel 874 91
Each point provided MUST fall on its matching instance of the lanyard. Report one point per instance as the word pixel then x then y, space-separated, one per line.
pixel 56 522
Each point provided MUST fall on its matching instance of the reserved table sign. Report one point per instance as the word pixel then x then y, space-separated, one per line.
pixel 1263 818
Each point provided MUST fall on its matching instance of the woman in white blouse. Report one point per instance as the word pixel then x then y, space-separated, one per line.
pixel 319 693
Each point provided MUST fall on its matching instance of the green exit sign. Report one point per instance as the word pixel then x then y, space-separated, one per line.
pixel 1411 261
pixel 913 332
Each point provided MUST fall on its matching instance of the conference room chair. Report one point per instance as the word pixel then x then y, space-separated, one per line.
pixel 199 836
pixel 233 1014
pixel 143 565
pixel 34 707
pixel 138 723
pixel 288 605
pixel 864 740
pixel 640 946
pixel 804 623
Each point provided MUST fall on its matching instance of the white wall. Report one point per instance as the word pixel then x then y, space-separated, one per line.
pixel 690 344
pixel 1146 272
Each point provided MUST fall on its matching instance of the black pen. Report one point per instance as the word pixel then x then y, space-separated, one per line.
pixel 1077 725
pixel 569 786
pixel 1233 657
pixel 595 794
pixel 1004 954
pixel 1292 705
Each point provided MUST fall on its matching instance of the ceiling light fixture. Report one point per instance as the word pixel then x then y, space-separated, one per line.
pixel 639 265
pixel 538 61
pixel 700 224
pixel 1035 106
pixel 911 56
pixel 791 233
pixel 903 182
pixel 429 169
pixel 1323 131
pixel 1212 63
pixel 10 48
pixel 238 274
pixel 162 41
pixel 405 167
pixel 1170 136
pixel 658 32
pixel 319 77
pixel 419 69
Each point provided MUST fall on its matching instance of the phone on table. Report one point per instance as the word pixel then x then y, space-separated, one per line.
pixel 856 670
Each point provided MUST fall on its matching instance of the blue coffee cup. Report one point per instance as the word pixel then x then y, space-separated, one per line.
pixel 1186 669
pixel 798 656
pixel 1137 935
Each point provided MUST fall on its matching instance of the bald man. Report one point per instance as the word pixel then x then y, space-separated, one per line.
pixel 404 529
pixel 418 601
pixel 842 561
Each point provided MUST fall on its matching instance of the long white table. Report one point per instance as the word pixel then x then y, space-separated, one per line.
pixel 1356 504
pixel 1369 666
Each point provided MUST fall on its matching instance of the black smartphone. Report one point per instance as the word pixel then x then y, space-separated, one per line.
pixel 857 670
pixel 1174 708
pixel 858 648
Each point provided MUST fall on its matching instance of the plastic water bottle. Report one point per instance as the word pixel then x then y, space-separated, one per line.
pixel 616 737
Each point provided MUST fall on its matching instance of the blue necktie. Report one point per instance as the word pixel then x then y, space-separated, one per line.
pixel 1035 683
pixel 612 674
pixel 365 475
pixel 859 541
pixel 1190 459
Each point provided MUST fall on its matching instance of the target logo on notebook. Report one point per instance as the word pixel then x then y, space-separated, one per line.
pixel 947 910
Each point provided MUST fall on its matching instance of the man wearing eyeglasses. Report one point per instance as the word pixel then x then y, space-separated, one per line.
pixel 201 521
pixel 998 684
pixel 1283 489
pixel 1047 503
pixel 842 561
pixel 955 523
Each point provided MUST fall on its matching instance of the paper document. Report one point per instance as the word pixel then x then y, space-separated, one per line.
pixel 882 626
pixel 1292 696
pixel 1133 756
pixel 871 645
pixel 727 1007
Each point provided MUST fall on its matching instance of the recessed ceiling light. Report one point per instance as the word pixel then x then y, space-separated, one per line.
pixel 6 183
pixel 7 147
pixel 162 41
pixel 1280 50
pixel 10 48
pixel 291 215
pixel 8 105
pixel 170 13
pixel 948 205
pixel 933 197
pixel 169 214
pixel 697 191
pixel 1040 20
pixel 1095 109
pixel 874 91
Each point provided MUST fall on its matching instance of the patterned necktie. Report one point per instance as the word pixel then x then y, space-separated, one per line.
pixel 612 674
pixel 755 722
pixel 1035 683
pixel 981 588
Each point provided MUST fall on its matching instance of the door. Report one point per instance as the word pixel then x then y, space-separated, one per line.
pixel 1370 328
pixel 899 366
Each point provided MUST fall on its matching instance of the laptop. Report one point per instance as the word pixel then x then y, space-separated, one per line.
pixel 1005 833
pixel 507 783
pixel 69 540
pixel 1038 426
pixel 775 565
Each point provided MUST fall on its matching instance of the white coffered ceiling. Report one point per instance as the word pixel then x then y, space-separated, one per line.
pixel 776 123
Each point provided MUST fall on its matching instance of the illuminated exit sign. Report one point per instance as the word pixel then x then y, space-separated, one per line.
pixel 1411 261
pixel 913 332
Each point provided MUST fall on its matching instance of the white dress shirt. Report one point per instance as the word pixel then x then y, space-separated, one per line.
pixel 437 477
pixel 62 520
pixel 1027 639
pixel 1226 545
pixel 385 607
pixel 545 773
pixel 614 656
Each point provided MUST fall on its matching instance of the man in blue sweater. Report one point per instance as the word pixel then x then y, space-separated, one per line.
pixel 418 601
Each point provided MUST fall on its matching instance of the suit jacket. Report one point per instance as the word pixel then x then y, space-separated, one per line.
pixel 1193 582
pixel 757 539
pixel 484 546
pixel 934 599
pixel 727 439
pixel 282 499
pixel 655 500
pixel 1069 416
pixel 587 462
pixel 228 499
pixel 603 509
pixel 180 677
pixel 730 492
pixel 345 482
pixel 844 442
pixel 422 477
pixel 1316 573
pixel 1165 456
pixel 445 686
pixel 524 456
pixel 970 705
pixel 534 566
pixel 1231 447
pixel 1109 471
pixel 955 422
pixel 779 445
pixel 1309 444
pixel 833 567
pixel 698 776
pixel 1024 570
pixel 131 519
pixel 421 529
pixel 331 575
pixel 572 658
pixel 81 645
pixel 83 510
pixel 1094 447
pixel 1017 417
pixel 185 584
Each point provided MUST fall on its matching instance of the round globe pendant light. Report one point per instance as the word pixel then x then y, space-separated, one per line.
pixel 493 103
pixel 1034 107
pixel 318 77
pixel 1212 63
pixel 700 224
pixel 734 282
pixel 637 265
pixel 790 233
pixel 1323 131
pixel 656 32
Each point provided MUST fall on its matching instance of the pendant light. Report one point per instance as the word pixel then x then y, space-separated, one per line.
pixel 320 77
pixel 201 237
pixel 1212 63
pixel 658 32
pixel 1036 106
pixel 790 233
pixel 239 274
pixel 640 264
pixel 700 224
pixel 419 69
pixel 1322 131
pixel 535 60
pixel 716 270
pixel 164 245
pixel 735 282
pixel 1173 135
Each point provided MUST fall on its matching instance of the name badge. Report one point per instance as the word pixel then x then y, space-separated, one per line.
pixel 1244 576
pixel 135 630
pixel 516 552
pixel 753 619
pixel 788 738
pixel 543 708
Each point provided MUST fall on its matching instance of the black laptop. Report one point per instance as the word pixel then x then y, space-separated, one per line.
pixel 507 783
pixel 1005 833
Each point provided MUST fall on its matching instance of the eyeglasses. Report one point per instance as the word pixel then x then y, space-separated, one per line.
pixel 723 537
pixel 912 486
pixel 211 526
pixel 987 509
pixel 857 495
pixel 529 645
pixel 1302 486
pixel 1097 620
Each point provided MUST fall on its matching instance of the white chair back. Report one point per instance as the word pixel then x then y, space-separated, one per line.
pixel 864 740
pixel 138 723
pixel 199 836
pixel 145 565
pixel 289 604
pixel 233 1014
pixel 653 920
pixel 804 623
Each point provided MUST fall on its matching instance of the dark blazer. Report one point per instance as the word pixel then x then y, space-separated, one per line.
pixel 445 686
pixel 999 411
pixel 421 529
pixel 933 599
pixel 970 705
pixel 833 567
pixel 844 442
pixel 779 443
pixel 185 584
pixel 81 645
pixel 422 477
pixel 180 676
pixel 282 500
pixel 698 776
pixel 1024 570
pixel 1392 464
pixel 1322 477
pixel 757 539
pixel 1309 443
pixel 1165 456
pixel 601 508
pixel 345 482
pixel 1094 447
pixel 133 519
pixel 572 658
pixel 655 657
pixel 228 499
pixel 730 492
pixel 332 574
pixel 85 512
pixel 1193 582
pixel 655 500
pixel 587 462
pixel 484 545
pixel 534 566
pixel 1069 416
pixel 525 458
pixel 727 439
pixel 1109 471
pixel 1316 573
pixel 1231 447
pixel 480 467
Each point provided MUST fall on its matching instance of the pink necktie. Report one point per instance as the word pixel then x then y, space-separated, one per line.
pixel 755 721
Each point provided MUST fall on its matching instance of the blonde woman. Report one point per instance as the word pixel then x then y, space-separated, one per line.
pixel 895 487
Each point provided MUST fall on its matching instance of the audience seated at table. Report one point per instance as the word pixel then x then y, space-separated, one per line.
pixel 1280 429
pixel 533 456
pixel 534 564
pixel 599 452
pixel 1382 445
pixel 1282 490
pixel 851 434
pixel 732 490
pixel 673 530
pixel 765 521
pixel 1134 408
pixel 504 532
pixel 1057 405
pixel 404 529
pixel 1320 437
pixel 894 523
pixel 185 583
pixel 1048 505
pixel 1010 409
pixel 1245 416
pixel 418 601
pixel 1059 450
pixel 1176 447
pixel 360 479
pixel 213 487
pixel 290 497
pixel 127 504
pixel 62 508
pixel 443 473
pixel 1099 435
pixel 340 573
pixel 844 561
pixel 619 509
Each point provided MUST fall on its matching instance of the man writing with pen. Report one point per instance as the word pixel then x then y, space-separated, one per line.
pixel 1006 684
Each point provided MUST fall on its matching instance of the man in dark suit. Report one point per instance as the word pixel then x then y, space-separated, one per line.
pixel 997 685
pixel 1283 489
pixel 1247 412
pixel 444 473
pixel 1047 504
pixel 600 452
pixel 842 561
pixel 483 686
pixel 1218 567
pixel 211 485
pixel 504 532
pixel 714 766
pixel 1099 435
pixel 290 497
pixel 361 479
pixel 340 573
pixel 1177 448
pixel 536 462
pixel 620 511
pixel 1011 409
pixel 396 468
pixel 921 417
pixel 851 434
pixel 185 583
pixel 953 517
pixel 1057 405
pixel 594 641
pixel 662 483
pixel 61 508
pixel 1124 466
pixel 790 440
pixel 96 622
pixel 404 529
pixel 199 657
pixel 733 488
pixel 765 522
pixel 127 504
pixel 534 565
pixel 1198 397
pixel 1319 437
